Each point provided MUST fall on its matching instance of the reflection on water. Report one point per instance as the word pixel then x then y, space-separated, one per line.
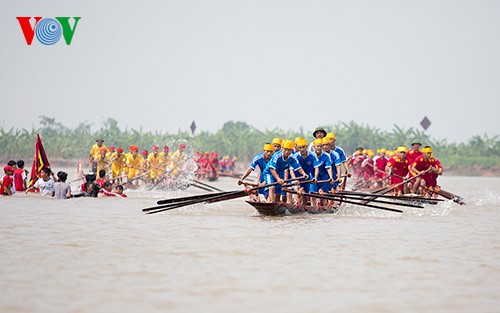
pixel 105 255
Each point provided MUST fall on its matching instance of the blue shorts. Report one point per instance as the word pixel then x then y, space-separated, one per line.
pixel 325 186
pixel 271 180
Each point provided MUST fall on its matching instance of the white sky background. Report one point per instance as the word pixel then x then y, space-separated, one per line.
pixel 160 65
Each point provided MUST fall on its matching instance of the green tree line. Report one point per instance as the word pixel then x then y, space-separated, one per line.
pixel 234 139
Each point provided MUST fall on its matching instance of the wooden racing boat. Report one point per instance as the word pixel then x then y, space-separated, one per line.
pixel 281 208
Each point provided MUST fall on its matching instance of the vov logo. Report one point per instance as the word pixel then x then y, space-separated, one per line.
pixel 48 31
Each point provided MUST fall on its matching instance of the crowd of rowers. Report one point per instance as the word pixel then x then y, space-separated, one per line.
pixel 318 165
pixel 156 167
pixel 130 167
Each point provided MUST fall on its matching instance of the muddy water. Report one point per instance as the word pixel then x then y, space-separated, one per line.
pixel 105 255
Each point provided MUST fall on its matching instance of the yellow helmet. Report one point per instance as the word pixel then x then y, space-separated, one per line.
pixel 427 150
pixel 326 141
pixel 287 144
pixel 297 139
pixel 277 141
pixel 318 141
pixel 401 149
pixel 330 135
pixel 301 142
pixel 268 147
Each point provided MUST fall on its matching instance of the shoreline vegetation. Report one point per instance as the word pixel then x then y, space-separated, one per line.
pixel 479 156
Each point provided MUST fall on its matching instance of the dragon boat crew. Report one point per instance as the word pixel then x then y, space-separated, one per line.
pixel 118 161
pixel 134 164
pixel 397 169
pixel 102 160
pixel 277 169
pixel 414 152
pixel 112 149
pixel 276 142
pixel 95 151
pixel 423 163
pixel 432 176
pixel 340 152
pixel 307 161
pixel 368 171
pixel 323 167
pixel 357 159
pixel 154 162
pixel 318 133
pixel 335 159
pixel 177 160
pixel 380 163
pixel 165 158
pixel 260 160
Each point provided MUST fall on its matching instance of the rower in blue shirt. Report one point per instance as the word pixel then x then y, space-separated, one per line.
pixel 307 161
pixel 278 166
pixel 335 159
pixel 260 161
pixel 339 150
pixel 323 170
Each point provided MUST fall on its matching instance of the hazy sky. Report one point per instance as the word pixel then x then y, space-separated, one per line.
pixel 287 64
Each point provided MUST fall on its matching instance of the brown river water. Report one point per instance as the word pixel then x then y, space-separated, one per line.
pixel 105 255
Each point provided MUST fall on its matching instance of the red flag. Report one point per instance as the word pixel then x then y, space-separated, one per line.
pixel 40 161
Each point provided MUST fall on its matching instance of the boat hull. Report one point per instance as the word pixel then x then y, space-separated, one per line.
pixel 280 208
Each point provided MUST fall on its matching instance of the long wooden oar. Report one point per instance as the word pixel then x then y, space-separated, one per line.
pixel 199 187
pixel 450 196
pixel 346 201
pixel 336 196
pixel 227 196
pixel 406 198
pixel 172 200
pixel 206 185
pixel 389 188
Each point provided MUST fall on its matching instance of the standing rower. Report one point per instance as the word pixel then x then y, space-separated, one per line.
pixel 318 133
pixel 95 151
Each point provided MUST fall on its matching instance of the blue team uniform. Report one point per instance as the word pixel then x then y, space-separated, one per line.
pixel 336 160
pixel 308 164
pixel 259 161
pixel 324 163
pixel 341 153
pixel 279 164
